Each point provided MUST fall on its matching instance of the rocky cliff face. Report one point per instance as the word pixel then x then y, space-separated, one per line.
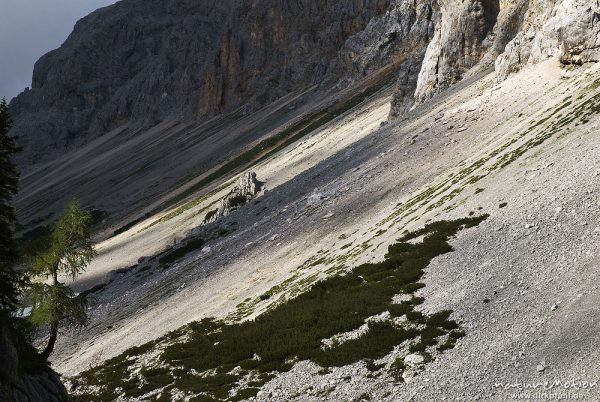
pixel 506 34
pixel 459 43
pixel 139 62
pixel 20 381
pixel 567 29
pixel 143 61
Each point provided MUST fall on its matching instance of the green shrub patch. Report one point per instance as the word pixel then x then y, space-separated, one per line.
pixel 215 359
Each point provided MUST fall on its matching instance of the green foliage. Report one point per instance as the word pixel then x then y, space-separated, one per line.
pixel 10 280
pixel 55 303
pixel 204 361
pixel 14 329
pixel 70 247
pixel 397 369
pixel 372 366
pixel 69 251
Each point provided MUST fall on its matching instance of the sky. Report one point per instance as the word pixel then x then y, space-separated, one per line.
pixel 31 28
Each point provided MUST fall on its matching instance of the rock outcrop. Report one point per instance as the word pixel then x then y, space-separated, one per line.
pixel 567 29
pixel 414 27
pixel 459 43
pixel 507 35
pixel 21 382
pixel 246 188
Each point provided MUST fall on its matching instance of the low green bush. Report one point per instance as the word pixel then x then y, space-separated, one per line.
pixel 295 330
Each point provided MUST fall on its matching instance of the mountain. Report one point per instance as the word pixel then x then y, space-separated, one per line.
pixel 205 80
pixel 148 61
pixel 426 211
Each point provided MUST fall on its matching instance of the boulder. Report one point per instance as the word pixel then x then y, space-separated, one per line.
pixel 414 359
pixel 247 187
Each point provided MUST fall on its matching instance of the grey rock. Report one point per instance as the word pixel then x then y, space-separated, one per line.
pixel 458 45
pixel 246 188
pixel 417 21
pixel 567 29
pixel 17 385
pixel 138 62
pixel 315 199
pixel 476 34
pixel 414 359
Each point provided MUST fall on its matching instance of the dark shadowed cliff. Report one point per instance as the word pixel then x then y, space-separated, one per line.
pixel 144 61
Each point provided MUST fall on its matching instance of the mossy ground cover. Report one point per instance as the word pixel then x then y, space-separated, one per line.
pixel 551 123
pixel 175 254
pixel 214 360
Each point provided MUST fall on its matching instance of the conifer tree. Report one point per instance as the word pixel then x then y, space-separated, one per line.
pixel 10 280
pixel 69 252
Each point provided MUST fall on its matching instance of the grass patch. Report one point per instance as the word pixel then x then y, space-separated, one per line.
pixel 397 369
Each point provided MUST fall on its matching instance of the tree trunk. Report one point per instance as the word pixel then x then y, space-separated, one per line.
pixel 53 327
pixel 50 346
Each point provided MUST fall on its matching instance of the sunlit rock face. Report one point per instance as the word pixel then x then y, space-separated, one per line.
pixel 566 29
pixel 505 35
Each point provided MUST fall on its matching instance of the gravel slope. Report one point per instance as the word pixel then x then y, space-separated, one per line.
pixel 533 261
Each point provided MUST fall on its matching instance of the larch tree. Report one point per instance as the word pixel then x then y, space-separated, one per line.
pixel 69 252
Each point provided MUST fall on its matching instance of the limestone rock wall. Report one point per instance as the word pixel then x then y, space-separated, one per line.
pixel 567 29
pixel 460 41
pixel 141 61
pixel 507 34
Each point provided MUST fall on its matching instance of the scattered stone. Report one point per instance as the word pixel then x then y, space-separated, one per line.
pixel 541 367
pixel 315 199
pixel 414 359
